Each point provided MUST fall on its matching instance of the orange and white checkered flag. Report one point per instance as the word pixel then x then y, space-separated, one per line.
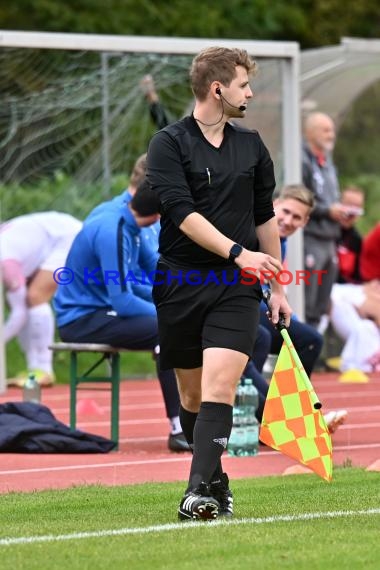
pixel 292 420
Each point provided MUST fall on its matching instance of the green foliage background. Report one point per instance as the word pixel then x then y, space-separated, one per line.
pixel 313 23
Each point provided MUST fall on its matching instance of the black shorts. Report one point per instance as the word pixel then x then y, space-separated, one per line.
pixel 203 309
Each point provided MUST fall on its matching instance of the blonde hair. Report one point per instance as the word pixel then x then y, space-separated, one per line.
pixel 138 171
pixel 297 192
pixel 217 64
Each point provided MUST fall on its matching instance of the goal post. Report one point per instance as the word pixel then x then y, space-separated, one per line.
pixel 83 121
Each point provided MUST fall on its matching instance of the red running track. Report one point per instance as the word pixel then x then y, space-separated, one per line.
pixel 143 455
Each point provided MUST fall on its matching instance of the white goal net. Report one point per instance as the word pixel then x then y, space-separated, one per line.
pixel 73 117
pixel 80 116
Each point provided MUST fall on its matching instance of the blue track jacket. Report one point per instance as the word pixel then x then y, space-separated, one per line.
pixel 102 261
pixel 142 286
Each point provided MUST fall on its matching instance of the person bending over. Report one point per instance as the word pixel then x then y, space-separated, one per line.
pixel 33 247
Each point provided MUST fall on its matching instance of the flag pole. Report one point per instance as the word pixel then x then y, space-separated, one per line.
pixel 288 341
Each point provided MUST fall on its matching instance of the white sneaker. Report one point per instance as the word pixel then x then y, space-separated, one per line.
pixel 334 419
pixel 43 378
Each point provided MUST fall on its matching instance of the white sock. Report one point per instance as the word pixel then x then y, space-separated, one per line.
pixel 362 343
pixel 175 425
pixel 36 337
pixel 18 312
pixel 323 324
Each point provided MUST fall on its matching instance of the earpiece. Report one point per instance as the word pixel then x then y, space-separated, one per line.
pixel 218 91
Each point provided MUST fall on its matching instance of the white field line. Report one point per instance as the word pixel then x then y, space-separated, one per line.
pixel 143 421
pixel 156 395
pixel 185 526
pixel 95 465
pixel 342 394
pixel 162 438
pixel 48 396
pixel 158 405
pixel 156 461
pixel 162 420
pixel 100 394
pixel 359 426
pixel 355 409
pixel 123 407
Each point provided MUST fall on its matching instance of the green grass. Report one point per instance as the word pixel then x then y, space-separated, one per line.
pixel 335 542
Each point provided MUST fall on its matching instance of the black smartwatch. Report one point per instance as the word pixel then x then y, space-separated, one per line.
pixel 235 251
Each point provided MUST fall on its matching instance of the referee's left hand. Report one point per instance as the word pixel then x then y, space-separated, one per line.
pixel 278 304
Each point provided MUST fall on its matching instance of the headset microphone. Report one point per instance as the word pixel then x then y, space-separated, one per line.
pixel 241 108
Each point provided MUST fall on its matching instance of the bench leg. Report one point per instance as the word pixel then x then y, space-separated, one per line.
pixel 73 389
pixel 115 397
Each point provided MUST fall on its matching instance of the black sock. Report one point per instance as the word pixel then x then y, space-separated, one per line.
pixel 169 388
pixel 216 476
pixel 211 432
pixel 188 420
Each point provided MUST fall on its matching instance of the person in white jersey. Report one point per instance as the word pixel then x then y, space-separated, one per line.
pixel 32 248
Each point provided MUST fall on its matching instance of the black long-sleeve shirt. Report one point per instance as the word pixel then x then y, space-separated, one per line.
pixel 158 115
pixel 231 186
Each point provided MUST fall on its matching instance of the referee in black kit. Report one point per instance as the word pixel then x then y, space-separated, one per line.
pixel 215 181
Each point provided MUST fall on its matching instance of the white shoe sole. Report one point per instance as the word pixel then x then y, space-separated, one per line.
pixel 335 419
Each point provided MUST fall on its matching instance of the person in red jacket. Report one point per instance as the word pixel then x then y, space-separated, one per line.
pixel 370 255
pixel 350 241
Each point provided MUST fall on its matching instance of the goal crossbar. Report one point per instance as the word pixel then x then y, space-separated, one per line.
pixel 143 44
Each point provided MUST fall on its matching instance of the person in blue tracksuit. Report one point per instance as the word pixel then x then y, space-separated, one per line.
pixel 101 303
pixel 149 235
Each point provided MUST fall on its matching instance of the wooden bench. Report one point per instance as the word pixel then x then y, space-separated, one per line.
pixel 111 356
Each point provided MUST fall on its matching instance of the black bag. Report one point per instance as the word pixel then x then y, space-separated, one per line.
pixel 26 427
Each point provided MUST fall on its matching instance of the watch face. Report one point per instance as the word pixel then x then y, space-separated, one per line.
pixel 235 250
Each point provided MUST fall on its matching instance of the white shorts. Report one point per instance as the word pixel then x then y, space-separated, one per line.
pixel 38 241
pixel 348 293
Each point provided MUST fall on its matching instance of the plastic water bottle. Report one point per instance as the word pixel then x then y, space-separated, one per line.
pixel 250 423
pixel 32 390
pixel 244 438
pixel 237 440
